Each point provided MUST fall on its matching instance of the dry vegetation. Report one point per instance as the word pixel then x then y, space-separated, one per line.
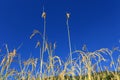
pixel 87 66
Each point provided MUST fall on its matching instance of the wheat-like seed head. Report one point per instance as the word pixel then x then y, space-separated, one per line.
pixel 34 33
pixel 12 54
pixel 44 15
pixel 68 15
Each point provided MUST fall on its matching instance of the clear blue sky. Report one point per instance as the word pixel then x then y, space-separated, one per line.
pixel 95 23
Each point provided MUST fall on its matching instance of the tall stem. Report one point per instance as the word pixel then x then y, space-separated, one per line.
pixel 70 49
pixel 43 47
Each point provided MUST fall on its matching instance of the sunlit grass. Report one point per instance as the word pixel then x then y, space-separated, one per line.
pixel 87 66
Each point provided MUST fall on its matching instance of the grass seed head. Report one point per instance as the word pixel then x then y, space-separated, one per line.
pixel 44 15
pixel 68 15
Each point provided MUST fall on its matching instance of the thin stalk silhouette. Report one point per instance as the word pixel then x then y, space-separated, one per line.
pixel 69 39
pixel 43 45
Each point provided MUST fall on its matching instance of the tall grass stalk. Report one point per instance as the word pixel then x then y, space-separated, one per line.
pixel 43 46
pixel 69 39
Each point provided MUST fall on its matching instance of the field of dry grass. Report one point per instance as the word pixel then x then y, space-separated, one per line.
pixel 87 66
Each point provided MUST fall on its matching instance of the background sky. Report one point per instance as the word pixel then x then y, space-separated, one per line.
pixel 95 23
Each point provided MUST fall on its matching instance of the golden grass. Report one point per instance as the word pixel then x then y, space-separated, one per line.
pixel 82 67
pixel 75 68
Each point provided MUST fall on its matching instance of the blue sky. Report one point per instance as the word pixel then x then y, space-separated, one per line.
pixel 95 23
